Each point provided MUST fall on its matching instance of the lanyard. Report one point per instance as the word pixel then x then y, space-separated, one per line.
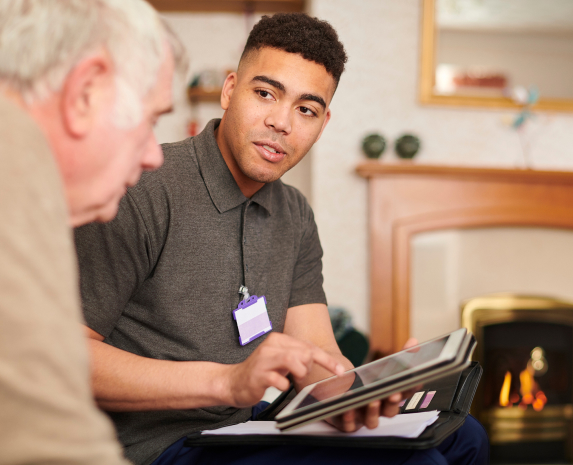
pixel 251 314
pixel 243 289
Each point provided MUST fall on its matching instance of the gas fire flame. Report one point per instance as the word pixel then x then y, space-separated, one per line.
pixel 529 390
pixel 504 394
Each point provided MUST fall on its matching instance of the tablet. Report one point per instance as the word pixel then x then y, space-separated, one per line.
pixel 377 379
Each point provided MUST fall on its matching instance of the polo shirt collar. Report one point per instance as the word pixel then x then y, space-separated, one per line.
pixel 264 197
pixel 222 187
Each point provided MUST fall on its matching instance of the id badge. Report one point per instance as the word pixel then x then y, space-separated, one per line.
pixel 252 319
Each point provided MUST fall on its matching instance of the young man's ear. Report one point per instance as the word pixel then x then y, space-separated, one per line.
pixel 88 88
pixel 228 88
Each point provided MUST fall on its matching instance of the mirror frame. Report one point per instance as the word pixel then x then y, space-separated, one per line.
pixel 427 75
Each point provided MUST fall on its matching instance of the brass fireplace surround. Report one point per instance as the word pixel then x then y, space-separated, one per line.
pixel 506 425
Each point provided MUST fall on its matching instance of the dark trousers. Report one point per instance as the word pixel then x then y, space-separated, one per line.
pixel 469 445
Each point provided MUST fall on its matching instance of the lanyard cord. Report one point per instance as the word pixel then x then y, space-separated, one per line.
pixel 243 289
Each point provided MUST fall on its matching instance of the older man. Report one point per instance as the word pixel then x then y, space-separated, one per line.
pixel 81 85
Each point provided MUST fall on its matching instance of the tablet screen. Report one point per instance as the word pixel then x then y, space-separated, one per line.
pixel 363 377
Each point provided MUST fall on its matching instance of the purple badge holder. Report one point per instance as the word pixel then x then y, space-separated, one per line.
pixel 252 319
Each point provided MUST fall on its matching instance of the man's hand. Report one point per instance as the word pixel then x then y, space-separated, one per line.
pixel 125 382
pixel 269 365
pixel 368 415
pixel 353 420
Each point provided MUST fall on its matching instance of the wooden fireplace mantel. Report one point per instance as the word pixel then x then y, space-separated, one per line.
pixel 407 199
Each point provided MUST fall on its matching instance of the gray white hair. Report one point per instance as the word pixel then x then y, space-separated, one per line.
pixel 42 40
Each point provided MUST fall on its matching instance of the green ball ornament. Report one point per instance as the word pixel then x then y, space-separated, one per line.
pixel 407 146
pixel 373 145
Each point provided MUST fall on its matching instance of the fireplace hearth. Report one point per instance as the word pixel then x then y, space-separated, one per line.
pixel 525 401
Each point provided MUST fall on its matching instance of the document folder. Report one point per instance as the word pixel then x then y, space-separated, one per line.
pixel 453 400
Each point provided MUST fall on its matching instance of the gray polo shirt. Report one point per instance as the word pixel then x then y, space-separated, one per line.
pixel 162 279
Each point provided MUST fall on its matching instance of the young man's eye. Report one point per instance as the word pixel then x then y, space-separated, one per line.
pixel 307 111
pixel 264 94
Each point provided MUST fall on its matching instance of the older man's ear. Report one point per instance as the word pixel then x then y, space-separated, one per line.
pixel 86 90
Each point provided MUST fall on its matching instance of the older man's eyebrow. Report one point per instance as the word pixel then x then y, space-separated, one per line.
pixel 270 81
pixel 314 98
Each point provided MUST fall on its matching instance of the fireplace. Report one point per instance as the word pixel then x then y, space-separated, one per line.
pixel 521 333
pixel 525 345
pixel 406 199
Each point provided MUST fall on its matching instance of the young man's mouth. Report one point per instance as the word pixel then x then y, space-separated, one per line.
pixel 270 151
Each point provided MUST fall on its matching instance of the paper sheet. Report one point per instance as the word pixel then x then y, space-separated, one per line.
pixel 409 425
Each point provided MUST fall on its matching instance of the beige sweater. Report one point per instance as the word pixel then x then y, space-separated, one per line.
pixel 47 414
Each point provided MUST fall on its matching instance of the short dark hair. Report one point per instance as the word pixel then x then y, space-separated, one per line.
pixel 313 39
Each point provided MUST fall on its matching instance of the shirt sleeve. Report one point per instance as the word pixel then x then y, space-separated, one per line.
pixel 114 259
pixel 307 276
pixel 47 412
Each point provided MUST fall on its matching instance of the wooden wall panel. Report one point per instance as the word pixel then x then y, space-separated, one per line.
pixel 409 199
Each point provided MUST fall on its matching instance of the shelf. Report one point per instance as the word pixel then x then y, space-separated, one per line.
pixel 374 169
pixel 233 6
pixel 196 94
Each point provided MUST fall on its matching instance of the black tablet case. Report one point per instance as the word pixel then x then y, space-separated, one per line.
pixel 452 399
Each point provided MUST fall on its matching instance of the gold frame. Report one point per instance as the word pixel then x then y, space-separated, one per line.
pixel 427 75
pixel 499 308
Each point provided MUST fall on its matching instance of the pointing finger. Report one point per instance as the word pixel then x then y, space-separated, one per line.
pixel 318 355
pixel 323 359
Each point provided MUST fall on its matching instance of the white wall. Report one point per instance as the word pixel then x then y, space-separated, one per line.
pixel 451 266
pixel 213 41
pixel 378 92
pixel 435 284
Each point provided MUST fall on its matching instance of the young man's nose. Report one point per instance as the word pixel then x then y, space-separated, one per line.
pixel 280 119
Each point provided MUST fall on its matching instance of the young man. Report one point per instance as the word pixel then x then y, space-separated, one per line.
pixel 160 283
pixel 71 140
